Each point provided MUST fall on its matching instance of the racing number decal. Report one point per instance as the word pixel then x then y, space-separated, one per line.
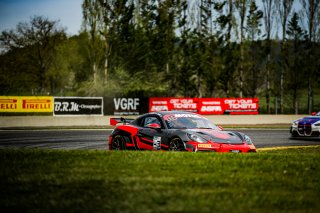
pixel 156 143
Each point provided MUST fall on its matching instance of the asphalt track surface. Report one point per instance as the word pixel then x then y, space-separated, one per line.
pixel 97 139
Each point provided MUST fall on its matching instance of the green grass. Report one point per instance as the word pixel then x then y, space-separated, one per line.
pixel 37 180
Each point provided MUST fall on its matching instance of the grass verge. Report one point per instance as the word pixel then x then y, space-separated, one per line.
pixel 285 180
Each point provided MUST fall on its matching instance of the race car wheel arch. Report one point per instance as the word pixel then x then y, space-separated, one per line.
pixel 176 144
pixel 119 142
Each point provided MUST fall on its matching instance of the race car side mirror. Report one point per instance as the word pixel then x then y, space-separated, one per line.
pixel 313 113
pixel 220 127
pixel 154 126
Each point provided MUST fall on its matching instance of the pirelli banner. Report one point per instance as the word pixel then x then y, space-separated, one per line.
pixel 78 106
pixel 26 104
pixel 49 104
pixel 207 106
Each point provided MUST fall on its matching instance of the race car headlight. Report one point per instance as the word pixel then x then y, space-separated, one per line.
pixel 248 140
pixel 196 138
pixel 295 123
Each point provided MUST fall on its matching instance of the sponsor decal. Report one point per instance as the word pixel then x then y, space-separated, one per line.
pixel 186 116
pixel 156 143
pixel 78 106
pixel 252 147
pixel 204 145
pixel 26 104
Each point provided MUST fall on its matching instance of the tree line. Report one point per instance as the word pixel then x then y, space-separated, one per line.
pixel 205 48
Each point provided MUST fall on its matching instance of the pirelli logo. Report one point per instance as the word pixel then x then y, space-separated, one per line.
pixel 36 104
pixel 26 104
pixel 204 145
pixel 8 104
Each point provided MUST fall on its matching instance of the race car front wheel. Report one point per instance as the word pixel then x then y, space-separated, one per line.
pixel 118 143
pixel 176 144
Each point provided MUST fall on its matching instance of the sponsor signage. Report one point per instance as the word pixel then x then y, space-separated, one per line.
pixel 241 105
pixel 78 106
pixel 206 106
pixel 26 104
pixel 183 104
pixel 209 106
pixel 169 104
pixel 125 105
pixel 158 104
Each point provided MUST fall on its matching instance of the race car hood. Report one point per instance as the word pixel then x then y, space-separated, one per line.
pixel 218 136
pixel 309 120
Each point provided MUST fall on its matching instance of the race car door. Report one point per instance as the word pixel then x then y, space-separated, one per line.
pixel 151 135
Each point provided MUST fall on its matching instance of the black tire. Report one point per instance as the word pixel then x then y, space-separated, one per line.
pixel 176 144
pixel 294 134
pixel 118 143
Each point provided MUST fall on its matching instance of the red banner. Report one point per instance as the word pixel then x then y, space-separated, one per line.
pixel 206 106
pixel 211 106
pixel 241 106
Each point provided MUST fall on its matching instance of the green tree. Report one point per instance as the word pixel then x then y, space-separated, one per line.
pixel 93 25
pixel 296 35
pixel 37 41
pixel 253 50
pixel 227 50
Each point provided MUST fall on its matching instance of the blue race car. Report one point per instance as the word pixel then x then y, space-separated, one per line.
pixel 306 127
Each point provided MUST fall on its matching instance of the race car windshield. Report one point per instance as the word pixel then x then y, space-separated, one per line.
pixel 188 121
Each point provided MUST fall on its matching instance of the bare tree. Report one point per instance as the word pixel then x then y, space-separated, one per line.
pixel 268 7
pixel 242 6
pixel 93 23
pixel 283 9
pixel 311 11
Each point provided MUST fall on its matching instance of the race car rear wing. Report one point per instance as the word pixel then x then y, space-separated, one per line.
pixel 115 121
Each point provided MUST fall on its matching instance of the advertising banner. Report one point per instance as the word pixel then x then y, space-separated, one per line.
pixel 170 104
pixel 239 106
pixel 125 105
pixel 159 104
pixel 78 106
pixel 183 104
pixel 206 106
pixel 210 106
pixel 26 104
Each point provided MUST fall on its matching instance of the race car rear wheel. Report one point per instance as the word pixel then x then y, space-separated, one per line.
pixel 118 143
pixel 176 144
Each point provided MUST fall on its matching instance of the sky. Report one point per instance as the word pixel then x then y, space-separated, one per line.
pixel 68 12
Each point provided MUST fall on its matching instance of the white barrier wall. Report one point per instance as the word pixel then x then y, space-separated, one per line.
pixel 103 121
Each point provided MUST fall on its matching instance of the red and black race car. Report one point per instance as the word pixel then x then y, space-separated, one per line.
pixel 175 131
